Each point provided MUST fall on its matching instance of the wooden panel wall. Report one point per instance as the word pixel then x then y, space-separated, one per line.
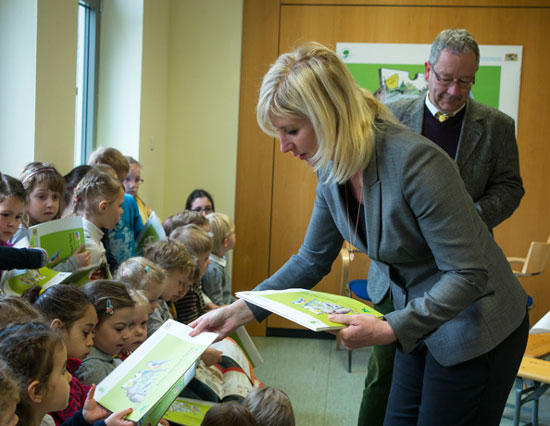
pixel 275 193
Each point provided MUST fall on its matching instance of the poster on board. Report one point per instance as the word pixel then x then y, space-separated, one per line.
pixel 395 71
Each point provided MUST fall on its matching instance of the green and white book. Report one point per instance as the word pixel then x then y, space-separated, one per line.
pixel 152 231
pixel 187 411
pixel 306 307
pixel 151 378
pixel 16 281
pixel 60 238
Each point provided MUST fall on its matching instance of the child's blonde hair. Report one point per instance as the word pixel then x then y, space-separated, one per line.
pixel 107 296
pixel 139 273
pixel 139 298
pixel 185 217
pixel 170 255
pixel 270 407
pixel 221 227
pixel 131 160
pixel 9 391
pixel 15 309
pixel 196 240
pixel 95 187
pixel 38 172
pixel 112 157
pixel 29 349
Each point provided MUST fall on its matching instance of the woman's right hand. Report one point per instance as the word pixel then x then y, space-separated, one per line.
pixel 82 256
pixel 223 321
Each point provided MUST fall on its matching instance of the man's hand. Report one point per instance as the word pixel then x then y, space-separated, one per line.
pixel 363 330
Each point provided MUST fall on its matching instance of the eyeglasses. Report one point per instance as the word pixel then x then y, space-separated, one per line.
pixel 207 209
pixel 448 82
pixel 136 181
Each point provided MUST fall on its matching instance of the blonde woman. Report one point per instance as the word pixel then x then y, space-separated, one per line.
pixel 460 320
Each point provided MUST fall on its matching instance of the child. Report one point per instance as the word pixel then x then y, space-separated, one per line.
pixel 122 238
pixel 36 355
pixel 15 309
pixel 140 274
pixel 200 201
pixel 9 396
pixel 68 310
pixel 185 217
pixel 231 413
pixel 138 326
pixel 115 309
pixel 98 199
pixel 199 244
pixel 131 185
pixel 45 188
pixel 217 282
pixel 270 407
pixel 71 181
pixel 12 207
pixel 174 259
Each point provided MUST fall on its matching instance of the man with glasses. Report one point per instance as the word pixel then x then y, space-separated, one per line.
pixel 480 139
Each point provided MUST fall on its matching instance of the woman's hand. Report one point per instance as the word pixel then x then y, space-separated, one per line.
pixel 223 321
pixel 93 412
pixel 363 330
pixel 211 356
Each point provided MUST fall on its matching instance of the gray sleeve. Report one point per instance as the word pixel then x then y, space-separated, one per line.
pixel 314 259
pixel 93 371
pixel 212 284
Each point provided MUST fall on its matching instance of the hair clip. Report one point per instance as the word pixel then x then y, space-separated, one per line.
pixel 109 307
pixel 147 269
pixel 41 291
pixel 125 272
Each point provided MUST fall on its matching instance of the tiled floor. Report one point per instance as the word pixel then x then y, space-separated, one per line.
pixel 314 375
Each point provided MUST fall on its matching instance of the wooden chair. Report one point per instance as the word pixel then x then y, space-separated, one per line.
pixel 349 288
pixel 534 263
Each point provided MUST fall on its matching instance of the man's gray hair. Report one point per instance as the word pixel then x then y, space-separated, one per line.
pixel 457 42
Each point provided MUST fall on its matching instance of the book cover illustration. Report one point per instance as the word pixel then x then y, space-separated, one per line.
pixel 60 238
pixel 152 231
pixel 187 411
pixel 154 374
pixel 16 281
pixel 308 308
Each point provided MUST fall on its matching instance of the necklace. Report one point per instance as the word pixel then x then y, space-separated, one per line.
pixel 351 243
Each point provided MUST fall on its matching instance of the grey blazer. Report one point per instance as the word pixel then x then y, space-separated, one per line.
pixel 451 284
pixel 487 156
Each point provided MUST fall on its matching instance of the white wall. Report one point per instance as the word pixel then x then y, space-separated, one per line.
pixel 17 83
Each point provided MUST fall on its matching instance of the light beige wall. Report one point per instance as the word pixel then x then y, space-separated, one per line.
pixel 203 101
pixel 154 93
pixel 119 84
pixel 56 82
pixel 37 83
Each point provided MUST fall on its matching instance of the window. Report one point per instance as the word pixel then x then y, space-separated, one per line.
pixel 86 77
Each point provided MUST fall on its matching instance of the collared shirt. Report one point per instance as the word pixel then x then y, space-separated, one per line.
pixel 434 110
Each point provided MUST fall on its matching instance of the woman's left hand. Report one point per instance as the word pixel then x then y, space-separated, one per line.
pixel 363 330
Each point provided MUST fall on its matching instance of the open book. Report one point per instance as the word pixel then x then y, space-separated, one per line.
pixel 306 307
pixel 16 281
pixel 60 238
pixel 542 325
pixel 242 338
pixel 155 373
pixel 152 231
pixel 187 411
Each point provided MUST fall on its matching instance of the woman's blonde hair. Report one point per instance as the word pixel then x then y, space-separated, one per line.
pixel 312 82
pixel 139 273
pixel 221 226
pixel 95 187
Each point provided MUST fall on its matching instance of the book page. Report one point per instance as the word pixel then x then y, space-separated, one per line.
pixel 231 349
pixel 187 411
pixel 152 231
pixel 542 325
pixel 16 281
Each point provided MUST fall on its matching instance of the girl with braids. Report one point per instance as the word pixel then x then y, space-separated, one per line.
pixel 44 187
pixel 98 199
pixel 115 310
pixel 36 356
pixel 68 311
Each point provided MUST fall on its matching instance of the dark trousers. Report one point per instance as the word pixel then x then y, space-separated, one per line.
pixel 379 378
pixel 473 393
